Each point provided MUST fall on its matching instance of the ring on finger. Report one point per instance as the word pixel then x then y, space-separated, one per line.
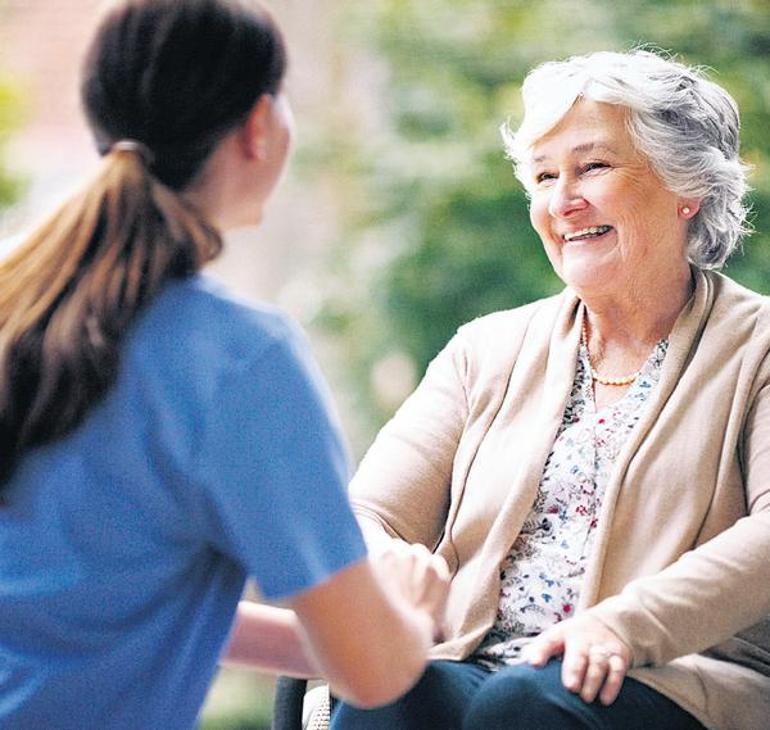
pixel 599 651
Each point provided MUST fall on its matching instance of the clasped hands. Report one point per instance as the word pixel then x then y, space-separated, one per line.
pixel 419 577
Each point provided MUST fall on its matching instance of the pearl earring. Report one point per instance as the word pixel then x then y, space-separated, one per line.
pixel 685 210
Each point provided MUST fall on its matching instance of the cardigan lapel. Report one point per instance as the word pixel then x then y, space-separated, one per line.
pixel 557 357
pixel 682 341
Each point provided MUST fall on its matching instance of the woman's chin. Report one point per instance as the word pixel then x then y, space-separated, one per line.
pixel 585 273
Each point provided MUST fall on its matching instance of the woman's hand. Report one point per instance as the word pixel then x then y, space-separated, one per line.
pixel 595 660
pixel 421 577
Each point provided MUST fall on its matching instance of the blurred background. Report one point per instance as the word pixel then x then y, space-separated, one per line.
pixel 400 218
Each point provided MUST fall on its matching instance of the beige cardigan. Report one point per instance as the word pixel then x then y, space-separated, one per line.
pixel 678 567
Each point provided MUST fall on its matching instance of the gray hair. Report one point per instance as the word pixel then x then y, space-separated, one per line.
pixel 684 124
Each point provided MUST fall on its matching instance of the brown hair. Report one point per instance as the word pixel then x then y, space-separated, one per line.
pixel 174 77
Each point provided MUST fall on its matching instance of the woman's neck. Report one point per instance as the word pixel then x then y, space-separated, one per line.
pixel 639 315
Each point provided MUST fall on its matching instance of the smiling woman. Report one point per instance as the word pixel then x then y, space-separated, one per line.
pixel 545 441
pixel 609 225
pixel 684 126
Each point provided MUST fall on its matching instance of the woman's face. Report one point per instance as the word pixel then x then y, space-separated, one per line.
pixel 605 219
pixel 260 177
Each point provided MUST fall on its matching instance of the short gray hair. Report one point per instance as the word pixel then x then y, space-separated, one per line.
pixel 684 124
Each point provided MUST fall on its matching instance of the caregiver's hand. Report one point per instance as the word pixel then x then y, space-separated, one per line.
pixel 421 577
pixel 595 660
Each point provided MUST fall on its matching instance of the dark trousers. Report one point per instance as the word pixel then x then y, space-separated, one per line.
pixel 464 696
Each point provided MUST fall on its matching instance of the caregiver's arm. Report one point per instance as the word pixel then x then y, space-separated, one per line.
pixel 367 629
pixel 269 639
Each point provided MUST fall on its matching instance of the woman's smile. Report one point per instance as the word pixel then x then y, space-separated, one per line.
pixel 604 216
pixel 586 234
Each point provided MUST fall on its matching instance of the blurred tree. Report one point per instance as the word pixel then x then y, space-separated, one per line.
pixel 437 228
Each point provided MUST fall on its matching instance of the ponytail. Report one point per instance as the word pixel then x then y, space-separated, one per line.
pixel 68 294
pixel 163 82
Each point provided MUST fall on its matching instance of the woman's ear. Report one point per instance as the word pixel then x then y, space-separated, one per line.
pixel 254 134
pixel 688 207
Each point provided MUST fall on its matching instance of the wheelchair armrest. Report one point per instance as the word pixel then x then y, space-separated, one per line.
pixel 287 705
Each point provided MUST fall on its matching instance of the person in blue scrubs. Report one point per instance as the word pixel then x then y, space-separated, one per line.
pixel 161 441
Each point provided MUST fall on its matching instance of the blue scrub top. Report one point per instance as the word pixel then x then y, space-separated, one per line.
pixel 124 547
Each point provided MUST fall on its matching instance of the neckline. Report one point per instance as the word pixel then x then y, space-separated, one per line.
pixel 650 370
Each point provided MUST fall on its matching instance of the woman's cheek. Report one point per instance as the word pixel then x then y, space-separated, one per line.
pixel 538 213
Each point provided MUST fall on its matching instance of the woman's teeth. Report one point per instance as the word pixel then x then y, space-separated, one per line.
pixel 591 232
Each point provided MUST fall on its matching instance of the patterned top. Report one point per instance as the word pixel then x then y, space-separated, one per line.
pixel 542 575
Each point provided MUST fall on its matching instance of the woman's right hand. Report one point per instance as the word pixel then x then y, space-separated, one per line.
pixel 418 576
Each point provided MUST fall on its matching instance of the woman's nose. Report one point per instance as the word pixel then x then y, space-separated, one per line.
pixel 566 198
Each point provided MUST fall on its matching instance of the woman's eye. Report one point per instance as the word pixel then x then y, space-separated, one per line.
pixel 543 177
pixel 589 167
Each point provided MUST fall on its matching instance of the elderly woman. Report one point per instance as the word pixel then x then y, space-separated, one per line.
pixel 595 467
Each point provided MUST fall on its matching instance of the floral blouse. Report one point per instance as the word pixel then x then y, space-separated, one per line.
pixel 542 575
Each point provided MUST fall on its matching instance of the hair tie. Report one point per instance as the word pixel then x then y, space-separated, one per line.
pixel 135 146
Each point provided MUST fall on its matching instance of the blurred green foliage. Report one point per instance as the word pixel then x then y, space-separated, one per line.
pixel 238 720
pixel 11 117
pixel 436 228
pixel 239 699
